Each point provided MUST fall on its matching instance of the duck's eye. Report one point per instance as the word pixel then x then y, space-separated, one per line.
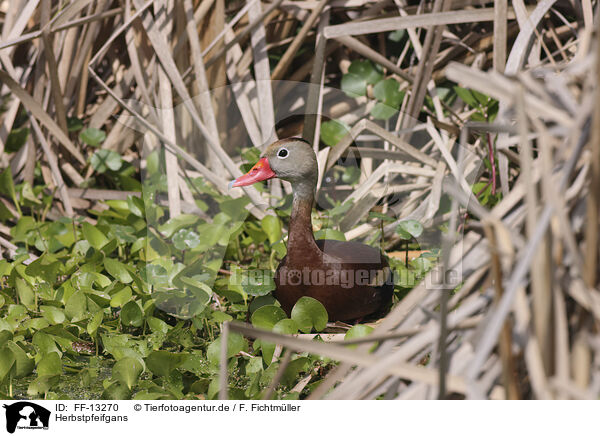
pixel 283 153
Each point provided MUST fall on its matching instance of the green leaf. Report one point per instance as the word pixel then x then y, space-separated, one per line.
pixel 44 343
pixel 397 35
pixel 74 124
pixel 235 208
pixel 45 268
pixel 382 111
pixel 354 85
pixel 365 70
pixel 235 344
pixel 7 360
pixel 120 298
pixel 286 327
pixel 131 314
pixel 136 206
pixel 116 391
pixel 16 139
pixel 381 216
pixel 218 316
pixel 25 293
pixel 103 160
pixel 7 187
pixel 330 234
pixel 127 371
pixel 254 365
pixel 92 136
pixel 481 98
pixel 95 322
pixel 409 229
pixel 350 176
pixel 202 292
pixel 50 365
pixel 186 239
pixel 117 270
pixel 94 236
pixel 267 316
pixel 23 365
pixel 309 313
pixel 421 265
pixel 387 91
pixel 53 315
pixel 259 282
pixel 358 331
pixel 260 302
pixel 294 368
pixel 161 363
pixel 158 325
pixel 42 385
pixel 155 275
pixel 466 96
pixel 267 350
pixel 76 306
pixel 333 131
pixel 272 227
pixel 27 194
pixel 169 228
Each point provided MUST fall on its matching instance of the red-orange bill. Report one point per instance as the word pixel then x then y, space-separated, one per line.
pixel 259 172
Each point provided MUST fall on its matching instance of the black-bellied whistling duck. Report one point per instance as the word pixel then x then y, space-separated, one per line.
pixel 350 279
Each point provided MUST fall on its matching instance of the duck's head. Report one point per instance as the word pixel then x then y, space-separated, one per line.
pixel 291 159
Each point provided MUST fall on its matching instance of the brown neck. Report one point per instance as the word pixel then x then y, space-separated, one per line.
pixel 301 244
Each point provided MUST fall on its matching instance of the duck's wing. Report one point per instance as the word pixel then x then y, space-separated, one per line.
pixel 351 252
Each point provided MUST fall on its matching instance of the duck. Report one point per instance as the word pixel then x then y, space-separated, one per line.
pixel 352 280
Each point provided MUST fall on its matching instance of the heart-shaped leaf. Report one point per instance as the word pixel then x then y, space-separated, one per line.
pixel 354 85
pixel 103 160
pixel 409 229
pixel 131 314
pixel 162 362
pixel 92 136
pixel 286 327
pixel 365 70
pixel 127 371
pixel 185 239
pixel 95 237
pixel 49 365
pixel 308 314
pixel 76 306
pixel 16 139
pixel 267 316
pixel 387 91
pixel 259 282
pixel 333 131
pixel 117 270
pixel 121 297
pixel 53 315
pixel 382 111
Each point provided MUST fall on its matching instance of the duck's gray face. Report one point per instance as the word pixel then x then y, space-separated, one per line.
pixel 291 159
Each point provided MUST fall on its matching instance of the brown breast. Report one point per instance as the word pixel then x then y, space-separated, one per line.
pixel 350 279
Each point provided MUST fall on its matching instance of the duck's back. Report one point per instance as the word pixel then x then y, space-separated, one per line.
pixel 351 252
pixel 351 279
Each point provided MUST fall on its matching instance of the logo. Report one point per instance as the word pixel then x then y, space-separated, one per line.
pixel 26 415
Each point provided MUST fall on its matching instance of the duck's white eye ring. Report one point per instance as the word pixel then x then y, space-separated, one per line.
pixel 283 153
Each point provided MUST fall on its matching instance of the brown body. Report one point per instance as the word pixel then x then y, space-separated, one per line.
pixel 340 278
pixel 350 279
